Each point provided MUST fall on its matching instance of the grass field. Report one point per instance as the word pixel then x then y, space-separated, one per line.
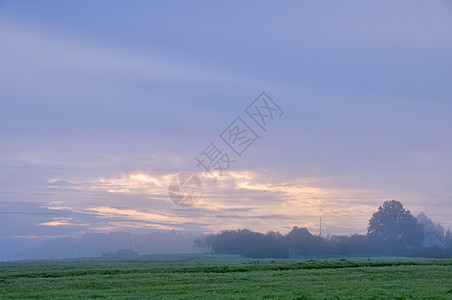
pixel 223 276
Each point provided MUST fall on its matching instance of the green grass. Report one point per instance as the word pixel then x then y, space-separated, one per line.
pixel 226 276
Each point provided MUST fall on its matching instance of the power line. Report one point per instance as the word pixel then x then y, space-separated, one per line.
pixel 69 168
pixel 47 213
pixel 121 194
pixel 197 170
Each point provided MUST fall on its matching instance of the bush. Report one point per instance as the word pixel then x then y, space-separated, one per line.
pixel 126 253
pixel 269 251
pixel 432 252
pixel 107 254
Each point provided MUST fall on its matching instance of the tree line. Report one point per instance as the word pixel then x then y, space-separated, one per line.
pixel 392 230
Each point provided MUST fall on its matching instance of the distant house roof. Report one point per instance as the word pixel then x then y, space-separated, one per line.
pixel 299 233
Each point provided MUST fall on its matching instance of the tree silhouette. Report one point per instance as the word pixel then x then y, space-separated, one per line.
pixel 429 225
pixel 204 243
pixel 126 252
pixel 250 244
pixel 394 228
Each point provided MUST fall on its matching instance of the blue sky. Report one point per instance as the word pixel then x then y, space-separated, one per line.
pixel 102 103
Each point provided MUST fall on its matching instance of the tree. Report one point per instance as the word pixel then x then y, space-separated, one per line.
pixel 355 244
pixel 429 226
pixel 448 238
pixel 126 252
pixel 433 233
pixel 250 244
pixel 394 228
pixel 204 243
pixel 107 254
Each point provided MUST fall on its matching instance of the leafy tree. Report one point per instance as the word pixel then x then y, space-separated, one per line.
pixel 394 228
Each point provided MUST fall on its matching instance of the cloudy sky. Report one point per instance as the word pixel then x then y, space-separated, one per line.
pixel 102 103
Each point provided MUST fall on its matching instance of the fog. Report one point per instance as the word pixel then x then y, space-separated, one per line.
pixel 95 244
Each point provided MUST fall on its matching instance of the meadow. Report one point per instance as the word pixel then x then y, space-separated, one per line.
pixel 192 276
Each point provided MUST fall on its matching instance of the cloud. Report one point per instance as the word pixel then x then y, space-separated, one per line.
pixel 96 65
pixel 60 183
pixel 241 198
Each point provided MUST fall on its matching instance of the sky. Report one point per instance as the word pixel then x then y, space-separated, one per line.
pixel 103 103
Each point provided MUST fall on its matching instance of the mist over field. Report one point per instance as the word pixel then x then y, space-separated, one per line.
pixel 96 245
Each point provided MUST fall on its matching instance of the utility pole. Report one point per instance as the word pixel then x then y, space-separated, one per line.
pixel 320 226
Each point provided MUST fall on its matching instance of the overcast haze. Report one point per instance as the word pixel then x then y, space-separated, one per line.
pixel 102 103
